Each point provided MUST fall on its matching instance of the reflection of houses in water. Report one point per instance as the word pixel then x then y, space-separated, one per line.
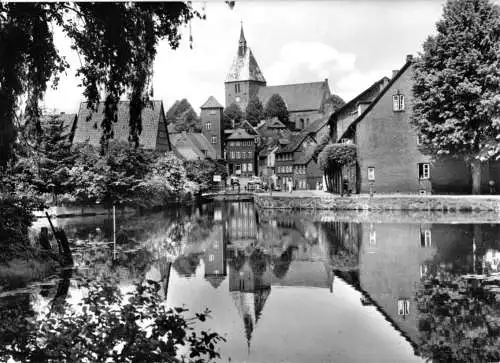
pixel 391 260
pixel 214 256
pixel 395 257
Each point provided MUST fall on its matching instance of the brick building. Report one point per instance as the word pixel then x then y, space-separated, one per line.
pixel 154 133
pixel 305 101
pixel 390 157
pixel 212 126
pixel 240 153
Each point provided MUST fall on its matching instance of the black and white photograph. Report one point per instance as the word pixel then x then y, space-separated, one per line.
pixel 251 181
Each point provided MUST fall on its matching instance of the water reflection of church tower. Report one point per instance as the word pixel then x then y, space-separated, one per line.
pixel 214 257
pixel 250 286
pixel 241 221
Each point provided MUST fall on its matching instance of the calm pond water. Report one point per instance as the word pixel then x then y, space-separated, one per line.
pixel 285 287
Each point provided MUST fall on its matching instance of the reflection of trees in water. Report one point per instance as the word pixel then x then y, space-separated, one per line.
pixel 186 265
pixel 344 240
pixel 236 260
pixel 459 320
pixel 258 262
pixel 281 263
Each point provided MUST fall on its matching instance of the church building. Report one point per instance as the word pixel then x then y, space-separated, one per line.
pixel 305 102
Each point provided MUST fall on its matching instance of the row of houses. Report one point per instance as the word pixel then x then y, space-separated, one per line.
pixel 390 155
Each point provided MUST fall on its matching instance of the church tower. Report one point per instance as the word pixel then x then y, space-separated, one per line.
pixel 244 77
pixel 212 127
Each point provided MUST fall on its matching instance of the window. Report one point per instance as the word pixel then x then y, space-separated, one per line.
pixel 205 152
pixel 424 270
pixel 425 238
pixel 232 154
pixel 238 168
pixel 212 112
pixel 371 173
pixel 250 167
pixel 403 307
pixel 424 171
pixel 237 88
pixel 214 139
pixel 301 123
pixel 238 99
pixel 211 258
pixel 244 167
pixel 419 140
pixel 238 155
pixel 208 125
pixel 398 102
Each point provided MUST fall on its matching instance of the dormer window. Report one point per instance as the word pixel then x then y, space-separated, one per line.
pixel 398 102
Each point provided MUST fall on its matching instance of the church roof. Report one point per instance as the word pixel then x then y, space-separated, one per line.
pixel 299 96
pixel 212 103
pixel 215 280
pixel 88 128
pixel 244 67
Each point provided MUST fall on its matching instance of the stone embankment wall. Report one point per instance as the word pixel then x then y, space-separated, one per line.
pixel 387 203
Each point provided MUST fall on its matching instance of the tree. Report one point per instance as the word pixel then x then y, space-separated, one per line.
pixel 457 85
pixel 254 111
pixel 55 158
pixel 184 117
pixel 202 172
pixel 276 107
pixel 334 102
pixel 117 46
pixel 232 113
pixel 112 178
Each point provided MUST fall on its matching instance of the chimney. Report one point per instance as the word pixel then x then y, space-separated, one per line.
pixel 394 72
pixel 409 58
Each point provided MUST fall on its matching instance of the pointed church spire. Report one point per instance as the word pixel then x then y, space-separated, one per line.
pixel 243 43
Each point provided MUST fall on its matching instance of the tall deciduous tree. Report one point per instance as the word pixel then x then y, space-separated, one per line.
pixel 254 111
pixel 276 107
pixel 334 102
pixel 457 85
pixel 232 113
pixel 117 46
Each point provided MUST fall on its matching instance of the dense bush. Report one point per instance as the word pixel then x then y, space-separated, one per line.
pixel 16 216
pixel 108 327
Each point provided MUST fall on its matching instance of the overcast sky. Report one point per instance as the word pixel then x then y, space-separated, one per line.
pixel 352 43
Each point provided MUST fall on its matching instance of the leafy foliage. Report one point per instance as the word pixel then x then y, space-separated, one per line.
pixel 107 326
pixel 335 102
pixel 458 322
pixel 203 171
pixel 254 111
pixel 232 113
pixel 337 155
pixel 16 216
pixel 117 44
pixel 457 82
pixel 166 181
pixel 276 107
pixel 182 114
pixel 325 140
pixel 112 178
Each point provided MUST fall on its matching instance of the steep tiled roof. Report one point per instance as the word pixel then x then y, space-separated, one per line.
pixel 317 124
pixel 298 97
pixel 244 67
pixel 191 146
pixel 294 143
pixel 240 134
pixel 379 96
pixel 212 103
pixel 306 157
pixel 89 124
